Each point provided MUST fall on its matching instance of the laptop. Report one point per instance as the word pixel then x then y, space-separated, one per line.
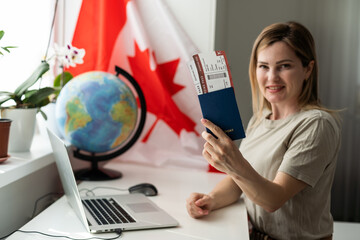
pixel 107 213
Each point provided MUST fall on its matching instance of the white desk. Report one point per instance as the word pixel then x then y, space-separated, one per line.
pixel 22 183
pixel 174 187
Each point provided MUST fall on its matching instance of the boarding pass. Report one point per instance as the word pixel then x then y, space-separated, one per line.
pixel 210 72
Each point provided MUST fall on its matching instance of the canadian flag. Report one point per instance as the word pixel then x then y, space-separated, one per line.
pixel 144 38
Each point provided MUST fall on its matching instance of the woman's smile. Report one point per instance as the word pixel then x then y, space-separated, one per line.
pixel 274 88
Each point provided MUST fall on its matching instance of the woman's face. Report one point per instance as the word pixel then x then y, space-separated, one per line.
pixel 280 75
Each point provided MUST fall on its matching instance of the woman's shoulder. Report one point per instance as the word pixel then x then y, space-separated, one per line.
pixel 318 117
pixel 305 118
pixel 314 114
pixel 317 114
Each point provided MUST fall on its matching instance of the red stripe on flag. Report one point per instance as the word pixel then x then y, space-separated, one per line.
pixel 214 170
pixel 96 31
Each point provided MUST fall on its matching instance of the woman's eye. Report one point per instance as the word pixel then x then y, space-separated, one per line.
pixel 285 66
pixel 263 66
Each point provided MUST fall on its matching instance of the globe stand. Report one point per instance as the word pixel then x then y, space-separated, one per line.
pixel 99 174
pixel 95 173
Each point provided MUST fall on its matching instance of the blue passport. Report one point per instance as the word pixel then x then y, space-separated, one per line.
pixel 213 83
pixel 220 107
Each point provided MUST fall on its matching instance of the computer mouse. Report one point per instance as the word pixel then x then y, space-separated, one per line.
pixel 145 188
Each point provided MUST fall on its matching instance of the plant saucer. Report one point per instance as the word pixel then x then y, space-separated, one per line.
pixel 3 159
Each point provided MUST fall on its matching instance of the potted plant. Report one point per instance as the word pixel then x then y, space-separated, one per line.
pixel 26 103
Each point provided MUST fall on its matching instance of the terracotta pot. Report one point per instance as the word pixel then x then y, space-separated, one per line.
pixel 4 138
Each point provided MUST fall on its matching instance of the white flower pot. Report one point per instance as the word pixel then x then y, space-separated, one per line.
pixel 22 128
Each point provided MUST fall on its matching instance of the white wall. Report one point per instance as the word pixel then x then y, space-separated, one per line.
pixel 197 17
pixel 27 30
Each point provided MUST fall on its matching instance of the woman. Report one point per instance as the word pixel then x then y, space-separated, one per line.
pixel 285 165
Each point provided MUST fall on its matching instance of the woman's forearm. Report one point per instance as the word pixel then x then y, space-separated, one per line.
pixel 225 193
pixel 270 195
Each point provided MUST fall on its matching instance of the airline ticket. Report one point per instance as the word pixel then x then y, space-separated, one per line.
pixel 210 72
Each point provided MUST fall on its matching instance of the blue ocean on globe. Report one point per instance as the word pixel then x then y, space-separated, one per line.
pixel 96 112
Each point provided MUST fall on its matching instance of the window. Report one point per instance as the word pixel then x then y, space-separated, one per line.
pixel 27 25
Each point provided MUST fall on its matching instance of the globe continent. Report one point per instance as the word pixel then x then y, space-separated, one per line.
pixel 96 112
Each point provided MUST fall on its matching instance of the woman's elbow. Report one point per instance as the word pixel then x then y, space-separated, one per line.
pixel 270 208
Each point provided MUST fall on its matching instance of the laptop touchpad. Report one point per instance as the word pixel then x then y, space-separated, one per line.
pixel 142 207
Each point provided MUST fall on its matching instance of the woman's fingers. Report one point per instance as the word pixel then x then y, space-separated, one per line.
pixel 218 144
pixel 217 131
pixel 210 158
pixel 197 205
pixel 220 152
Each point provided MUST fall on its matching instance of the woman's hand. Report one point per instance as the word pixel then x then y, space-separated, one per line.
pixel 224 193
pixel 221 153
pixel 199 205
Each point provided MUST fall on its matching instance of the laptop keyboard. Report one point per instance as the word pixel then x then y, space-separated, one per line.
pixel 107 211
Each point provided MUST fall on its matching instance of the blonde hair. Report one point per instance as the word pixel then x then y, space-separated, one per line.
pixel 297 37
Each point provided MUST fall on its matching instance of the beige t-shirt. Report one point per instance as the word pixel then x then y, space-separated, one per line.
pixel 304 145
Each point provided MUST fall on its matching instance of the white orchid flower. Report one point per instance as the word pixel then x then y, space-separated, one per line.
pixel 74 56
pixel 69 55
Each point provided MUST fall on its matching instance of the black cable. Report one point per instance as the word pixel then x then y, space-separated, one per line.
pixel 39 199
pixel 51 29
pixel 118 231
pixel 48 45
pixel 92 190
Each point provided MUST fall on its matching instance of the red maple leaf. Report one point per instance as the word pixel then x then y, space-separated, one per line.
pixel 158 87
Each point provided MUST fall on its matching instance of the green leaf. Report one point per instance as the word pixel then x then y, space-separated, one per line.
pixel 62 79
pixel 29 93
pixel 1 34
pixel 6 96
pixel 44 102
pixel 43 114
pixel 35 76
pixel 4 93
pixel 5 99
pixel 35 97
pixel 7 48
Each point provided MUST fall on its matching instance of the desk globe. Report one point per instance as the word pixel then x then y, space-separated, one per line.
pixel 97 113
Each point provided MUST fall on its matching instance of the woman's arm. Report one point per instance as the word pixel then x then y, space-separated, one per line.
pixel 224 193
pixel 270 195
pixel 224 155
